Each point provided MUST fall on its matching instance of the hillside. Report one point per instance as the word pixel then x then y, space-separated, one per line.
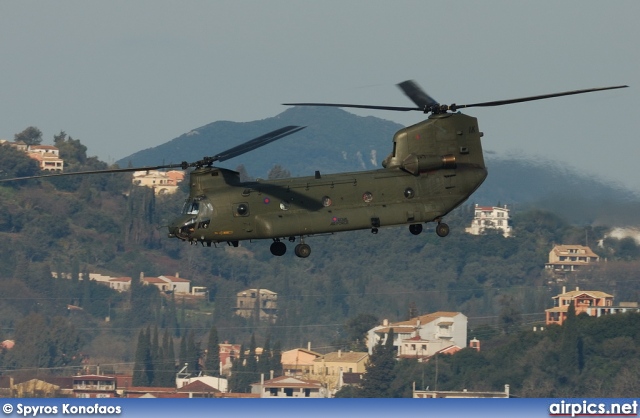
pixel 104 224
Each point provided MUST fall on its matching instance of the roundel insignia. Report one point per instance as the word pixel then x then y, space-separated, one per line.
pixel 266 200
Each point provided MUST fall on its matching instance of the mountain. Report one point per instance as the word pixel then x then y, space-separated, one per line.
pixel 335 140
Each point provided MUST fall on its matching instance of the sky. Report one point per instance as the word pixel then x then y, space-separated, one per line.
pixel 122 76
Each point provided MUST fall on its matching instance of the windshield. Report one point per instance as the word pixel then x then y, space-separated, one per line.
pixel 198 206
pixel 191 207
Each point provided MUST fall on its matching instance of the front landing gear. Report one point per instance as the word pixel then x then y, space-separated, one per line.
pixel 442 229
pixel 302 250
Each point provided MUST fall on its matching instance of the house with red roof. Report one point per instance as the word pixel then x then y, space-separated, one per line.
pixel 435 331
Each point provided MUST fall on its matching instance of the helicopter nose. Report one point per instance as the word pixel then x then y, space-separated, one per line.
pixel 182 227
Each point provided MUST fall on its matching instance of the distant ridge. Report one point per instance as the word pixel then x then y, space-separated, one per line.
pixel 337 141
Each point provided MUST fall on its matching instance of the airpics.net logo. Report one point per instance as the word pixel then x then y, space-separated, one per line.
pixel 601 409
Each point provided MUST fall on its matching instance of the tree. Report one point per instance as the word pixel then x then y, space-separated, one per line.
pixel 30 136
pixel 139 375
pixel 212 362
pixel 278 172
pixel 357 328
pixel 376 382
pixel 15 163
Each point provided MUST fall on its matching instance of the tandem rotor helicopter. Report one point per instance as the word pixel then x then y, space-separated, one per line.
pixel 435 165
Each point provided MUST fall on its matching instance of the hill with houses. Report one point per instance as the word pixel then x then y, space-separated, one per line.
pixel 107 227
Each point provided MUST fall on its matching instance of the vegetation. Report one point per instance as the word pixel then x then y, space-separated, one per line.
pixel 69 226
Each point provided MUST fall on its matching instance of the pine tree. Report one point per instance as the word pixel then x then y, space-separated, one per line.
pixel 182 355
pixel 264 361
pixel 212 363
pixel 276 360
pixel 380 373
pixel 148 359
pixel 193 353
pixel 139 376
pixel 251 374
pixel 236 383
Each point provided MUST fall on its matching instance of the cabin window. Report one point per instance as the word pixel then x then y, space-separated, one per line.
pixel 242 209
pixel 326 201
pixel 409 193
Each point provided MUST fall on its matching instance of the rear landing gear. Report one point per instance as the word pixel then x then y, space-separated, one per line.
pixel 278 248
pixel 442 229
pixel 415 229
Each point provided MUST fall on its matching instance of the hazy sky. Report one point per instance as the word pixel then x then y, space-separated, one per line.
pixel 122 76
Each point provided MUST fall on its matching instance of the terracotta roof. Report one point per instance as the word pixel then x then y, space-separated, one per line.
pixel 576 293
pixel 198 386
pixel 413 322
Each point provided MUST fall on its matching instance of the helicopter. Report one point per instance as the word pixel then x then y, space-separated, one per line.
pixel 434 166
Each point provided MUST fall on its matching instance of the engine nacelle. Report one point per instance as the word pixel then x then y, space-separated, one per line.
pixel 415 164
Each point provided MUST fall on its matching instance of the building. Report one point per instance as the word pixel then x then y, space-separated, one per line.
pixel 94 386
pixel 490 218
pixel 591 302
pixel 48 157
pixel 328 368
pixel 228 353
pixel 569 258
pixel 162 182
pixel 289 387
pixel 257 302
pixel 299 362
pixel 436 331
pixel 168 284
pixel 418 348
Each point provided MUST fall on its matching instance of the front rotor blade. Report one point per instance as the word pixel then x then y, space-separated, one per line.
pixel 396 108
pixel 531 98
pixel 182 166
pixel 418 96
pixel 256 143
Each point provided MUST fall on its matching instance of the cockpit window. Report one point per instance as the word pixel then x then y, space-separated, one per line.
pixel 191 207
pixel 198 206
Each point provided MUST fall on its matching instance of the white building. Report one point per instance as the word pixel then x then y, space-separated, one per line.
pixel 436 331
pixel 289 387
pixel 490 218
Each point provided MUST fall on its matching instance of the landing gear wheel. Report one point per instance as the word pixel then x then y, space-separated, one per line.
pixel 278 248
pixel 442 229
pixel 415 229
pixel 302 250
